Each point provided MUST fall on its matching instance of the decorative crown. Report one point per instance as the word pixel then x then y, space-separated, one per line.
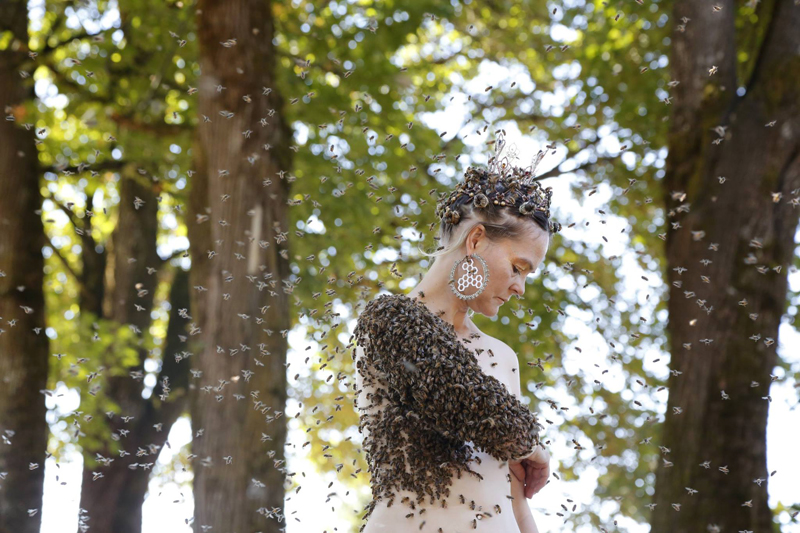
pixel 500 184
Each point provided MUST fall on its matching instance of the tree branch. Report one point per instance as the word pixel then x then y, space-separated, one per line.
pixel 62 80
pixel 111 164
pixel 81 286
pixel 73 218
pixel 174 255
pixel 48 49
pixel 553 172
pixel 508 104
pixel 83 229
pixel 158 128
pixel 302 62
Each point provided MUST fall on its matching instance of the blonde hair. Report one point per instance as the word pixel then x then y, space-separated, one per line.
pixel 500 224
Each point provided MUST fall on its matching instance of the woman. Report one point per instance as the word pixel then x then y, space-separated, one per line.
pixel 449 444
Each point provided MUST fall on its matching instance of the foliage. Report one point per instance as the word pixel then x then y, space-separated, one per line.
pixel 369 177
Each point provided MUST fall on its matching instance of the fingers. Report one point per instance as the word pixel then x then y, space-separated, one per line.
pixel 543 479
pixel 537 471
pixel 535 478
pixel 530 479
pixel 518 470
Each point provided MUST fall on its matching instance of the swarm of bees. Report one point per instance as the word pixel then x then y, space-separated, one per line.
pixel 423 394
pixel 424 397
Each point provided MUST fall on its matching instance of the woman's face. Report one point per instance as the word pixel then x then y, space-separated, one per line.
pixel 509 263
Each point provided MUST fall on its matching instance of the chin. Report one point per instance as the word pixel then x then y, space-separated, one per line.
pixel 488 308
pixel 497 308
pixel 494 308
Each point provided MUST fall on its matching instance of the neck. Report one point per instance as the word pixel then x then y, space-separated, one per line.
pixel 439 297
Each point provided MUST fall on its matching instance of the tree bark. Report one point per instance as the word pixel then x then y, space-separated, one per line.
pixel 23 351
pixel 723 354
pixel 114 501
pixel 94 267
pixel 239 469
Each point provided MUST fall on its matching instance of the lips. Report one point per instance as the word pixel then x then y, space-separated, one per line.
pixel 501 299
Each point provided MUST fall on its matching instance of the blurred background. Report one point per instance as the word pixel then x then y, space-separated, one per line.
pixel 197 198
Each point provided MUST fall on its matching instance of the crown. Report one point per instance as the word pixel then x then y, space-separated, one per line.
pixel 500 184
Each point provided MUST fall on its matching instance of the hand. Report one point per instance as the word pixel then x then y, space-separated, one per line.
pixel 518 486
pixel 533 471
pixel 518 470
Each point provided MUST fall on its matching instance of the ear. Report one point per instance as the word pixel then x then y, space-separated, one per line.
pixel 475 235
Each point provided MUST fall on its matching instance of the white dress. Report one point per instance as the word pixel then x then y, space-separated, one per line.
pixel 491 494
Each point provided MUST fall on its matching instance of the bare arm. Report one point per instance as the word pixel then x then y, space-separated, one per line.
pixel 522 512
pixel 527 524
pixel 430 371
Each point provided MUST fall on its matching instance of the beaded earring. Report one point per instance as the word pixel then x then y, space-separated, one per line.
pixel 470 277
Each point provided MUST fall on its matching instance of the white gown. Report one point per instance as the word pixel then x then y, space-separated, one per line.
pixel 489 494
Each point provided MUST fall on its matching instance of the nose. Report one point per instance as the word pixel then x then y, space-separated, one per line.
pixel 518 288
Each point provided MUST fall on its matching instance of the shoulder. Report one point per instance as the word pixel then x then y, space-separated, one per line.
pixel 381 310
pixel 389 319
pixel 385 305
pixel 501 349
pixel 508 358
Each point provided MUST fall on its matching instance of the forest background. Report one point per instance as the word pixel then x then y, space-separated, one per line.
pixel 198 197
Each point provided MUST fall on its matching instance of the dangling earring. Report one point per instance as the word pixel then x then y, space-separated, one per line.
pixel 470 278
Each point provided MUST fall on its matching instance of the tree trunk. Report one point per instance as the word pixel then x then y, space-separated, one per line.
pixel 94 267
pixel 23 351
pixel 729 348
pixel 239 469
pixel 114 501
